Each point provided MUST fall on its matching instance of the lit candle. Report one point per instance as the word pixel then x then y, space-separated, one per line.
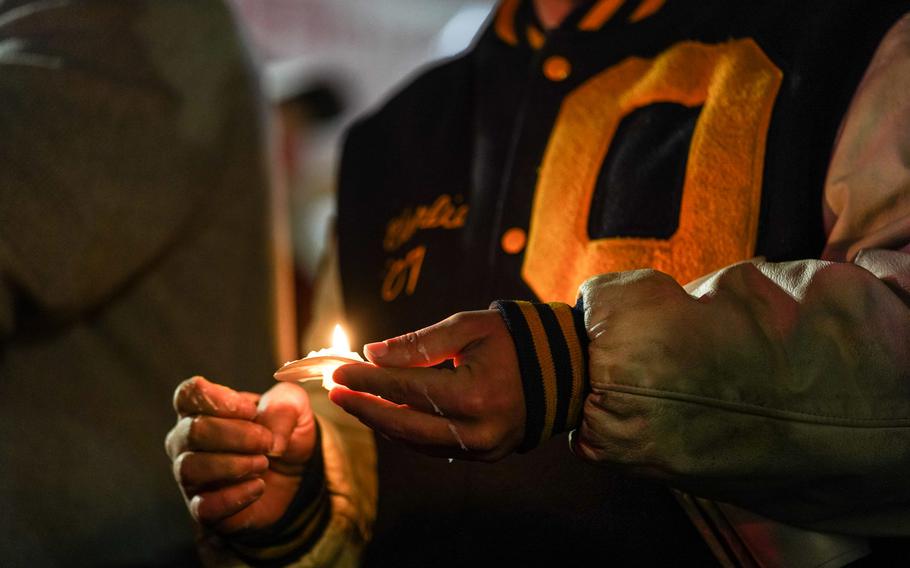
pixel 322 363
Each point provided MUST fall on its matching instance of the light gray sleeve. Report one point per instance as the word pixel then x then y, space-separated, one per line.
pixel 867 192
pixel 115 123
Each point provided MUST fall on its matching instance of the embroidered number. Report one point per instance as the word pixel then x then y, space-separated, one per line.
pixel 403 274
pixel 736 84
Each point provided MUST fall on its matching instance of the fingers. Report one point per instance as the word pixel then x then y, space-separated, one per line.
pixel 211 507
pixel 428 346
pixel 397 422
pixel 199 396
pixel 285 411
pixel 209 451
pixel 430 434
pixel 474 411
pixel 214 434
pixel 220 448
pixel 196 470
pixel 435 391
pixel 251 396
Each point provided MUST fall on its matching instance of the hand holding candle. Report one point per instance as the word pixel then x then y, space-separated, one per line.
pixel 238 457
pixel 474 411
pixel 321 363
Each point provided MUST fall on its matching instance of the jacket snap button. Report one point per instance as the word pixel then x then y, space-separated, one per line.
pixel 556 68
pixel 514 240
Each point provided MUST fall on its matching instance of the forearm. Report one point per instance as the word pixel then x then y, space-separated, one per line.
pixel 782 388
pixel 796 403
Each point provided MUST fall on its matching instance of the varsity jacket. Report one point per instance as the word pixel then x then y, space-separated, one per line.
pixel 680 138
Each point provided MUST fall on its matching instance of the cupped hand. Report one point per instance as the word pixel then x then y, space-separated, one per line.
pixel 474 411
pixel 238 457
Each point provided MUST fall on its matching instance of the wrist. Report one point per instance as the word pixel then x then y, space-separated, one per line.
pixel 552 347
pixel 302 523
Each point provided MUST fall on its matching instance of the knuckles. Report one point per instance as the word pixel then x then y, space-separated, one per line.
pixel 408 342
pixel 646 281
pixel 404 348
pixel 474 323
pixel 474 403
pixel 460 319
pixel 657 285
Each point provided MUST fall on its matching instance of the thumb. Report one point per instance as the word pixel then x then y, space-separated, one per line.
pixel 282 409
pixel 428 346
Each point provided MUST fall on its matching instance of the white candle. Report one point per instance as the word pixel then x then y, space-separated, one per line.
pixel 321 363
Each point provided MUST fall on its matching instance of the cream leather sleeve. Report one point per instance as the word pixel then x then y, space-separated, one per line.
pixel 350 470
pixel 349 454
pixel 780 388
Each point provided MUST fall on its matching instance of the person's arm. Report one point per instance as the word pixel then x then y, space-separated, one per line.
pixel 269 480
pixel 781 388
pixel 116 123
pixel 319 515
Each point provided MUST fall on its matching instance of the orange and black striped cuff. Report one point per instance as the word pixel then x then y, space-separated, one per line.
pixel 299 528
pixel 552 347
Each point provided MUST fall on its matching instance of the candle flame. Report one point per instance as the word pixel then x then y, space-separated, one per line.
pixel 324 361
pixel 340 343
pixel 340 346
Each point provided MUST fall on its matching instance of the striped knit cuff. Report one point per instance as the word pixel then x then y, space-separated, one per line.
pixel 300 526
pixel 552 347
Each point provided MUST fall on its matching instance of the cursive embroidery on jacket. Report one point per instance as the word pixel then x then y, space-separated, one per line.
pixel 444 213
